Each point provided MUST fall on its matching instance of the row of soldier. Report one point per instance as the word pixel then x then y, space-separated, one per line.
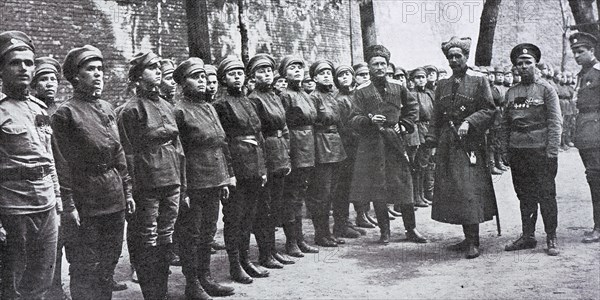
pixel 262 155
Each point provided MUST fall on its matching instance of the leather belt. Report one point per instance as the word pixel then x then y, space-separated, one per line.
pixel 327 129
pixel 529 128
pixel 97 168
pixel 305 127
pixel 17 174
pixel 274 133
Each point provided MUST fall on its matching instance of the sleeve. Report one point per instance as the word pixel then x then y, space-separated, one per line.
pixel 128 127
pixel 55 181
pixel 505 124
pixel 409 112
pixel 554 122
pixel 482 118
pixel 359 121
pixel 431 138
pixel 61 145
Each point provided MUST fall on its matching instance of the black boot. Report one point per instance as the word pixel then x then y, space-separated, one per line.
pixel 552 245
pixel 211 287
pixel 194 291
pixel 359 230
pixel 527 240
pixel 472 238
pixel 250 268
pixel 322 233
pixel 235 269
pixel 381 212
pixel 342 230
pixel 419 202
pixel 304 247
pixel 265 245
pixel 372 220
pixel 594 235
pixel 291 240
pixel 283 258
pixel 429 182
pixel 410 224
pixel 362 221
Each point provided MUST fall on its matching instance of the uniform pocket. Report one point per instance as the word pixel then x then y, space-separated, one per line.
pixel 15 138
pixel 588 129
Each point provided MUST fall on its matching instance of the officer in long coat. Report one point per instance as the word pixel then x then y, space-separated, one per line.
pixel 384 110
pixel 587 133
pixel 463 111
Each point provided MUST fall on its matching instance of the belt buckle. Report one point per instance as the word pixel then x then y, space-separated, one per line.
pixel 279 133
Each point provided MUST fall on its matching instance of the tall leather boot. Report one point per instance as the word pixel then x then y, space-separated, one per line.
pixel 249 267
pixel 472 238
pixel 205 278
pixel 235 268
pixel 147 268
pixel 429 182
pixel 322 233
pixel 410 224
pixel 162 270
pixel 381 211
pixel 528 220
pixel 361 220
pixel 594 235
pixel 417 195
pixel 193 289
pixel 291 240
pixel 263 239
pixel 304 247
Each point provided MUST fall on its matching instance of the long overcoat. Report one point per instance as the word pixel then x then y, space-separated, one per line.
pixel 382 172
pixel 463 192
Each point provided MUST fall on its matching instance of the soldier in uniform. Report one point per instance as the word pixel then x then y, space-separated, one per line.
pixel 587 136
pixel 300 116
pixel 401 75
pixel 167 85
pixel 329 152
pixel 29 191
pixel 344 81
pixel 246 143
pixel 532 129
pixel 463 111
pixel 508 77
pixel 271 208
pixel 93 175
pixel 384 110
pixel 212 83
pixel 308 83
pixel 209 175
pixel 46 78
pixel 432 76
pixel 155 160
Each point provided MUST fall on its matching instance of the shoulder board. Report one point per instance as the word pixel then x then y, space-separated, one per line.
pixel 365 84
pixel 597 66
pixel 473 73
pixel 38 102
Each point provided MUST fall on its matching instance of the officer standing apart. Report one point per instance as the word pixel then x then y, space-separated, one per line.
pixel 587 133
pixel 29 190
pixel 532 130
pixel 462 112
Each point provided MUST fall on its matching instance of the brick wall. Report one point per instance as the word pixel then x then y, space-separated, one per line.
pixel 118 28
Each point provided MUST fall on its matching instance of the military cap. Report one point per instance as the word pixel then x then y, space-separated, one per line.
pixel 139 62
pixel 484 70
pixel 583 39
pixel 228 64
pixel 288 60
pixel 339 70
pixel 77 57
pixel 400 70
pixel 507 69
pixel 260 60
pixel 210 70
pixel 430 68
pixel 525 49
pixel 498 69
pixel 360 68
pixel 442 71
pixel 455 42
pixel 45 65
pixel 10 40
pixel 417 71
pixel 188 67
pixel 307 77
pixel 320 65
pixel 167 66
pixel 377 50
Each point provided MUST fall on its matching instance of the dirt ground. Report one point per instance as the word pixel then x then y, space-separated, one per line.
pixel 363 269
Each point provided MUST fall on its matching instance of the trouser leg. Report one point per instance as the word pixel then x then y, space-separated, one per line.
pixel 526 187
pixel 591 161
pixel 30 254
